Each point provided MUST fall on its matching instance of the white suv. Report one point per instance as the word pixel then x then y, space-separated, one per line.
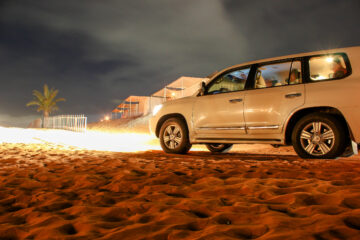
pixel 310 101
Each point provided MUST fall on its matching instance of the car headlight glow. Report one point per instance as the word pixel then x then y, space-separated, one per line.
pixel 157 109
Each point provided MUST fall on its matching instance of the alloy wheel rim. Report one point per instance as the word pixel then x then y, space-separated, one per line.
pixel 317 138
pixel 172 136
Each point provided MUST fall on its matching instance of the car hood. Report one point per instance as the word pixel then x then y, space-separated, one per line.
pixel 179 101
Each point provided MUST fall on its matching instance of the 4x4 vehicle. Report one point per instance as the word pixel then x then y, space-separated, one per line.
pixel 309 100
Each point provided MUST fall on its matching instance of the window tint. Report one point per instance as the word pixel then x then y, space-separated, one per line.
pixel 272 75
pixel 327 67
pixel 229 82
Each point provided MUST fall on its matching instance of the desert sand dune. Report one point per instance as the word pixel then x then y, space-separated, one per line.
pixel 53 192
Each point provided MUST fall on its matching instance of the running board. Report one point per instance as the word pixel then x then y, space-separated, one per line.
pixel 238 139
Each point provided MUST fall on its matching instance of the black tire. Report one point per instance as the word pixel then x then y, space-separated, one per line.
pixel 218 147
pixel 174 136
pixel 319 135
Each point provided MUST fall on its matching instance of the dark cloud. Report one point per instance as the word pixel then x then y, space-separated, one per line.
pixel 34 55
pixel 282 27
pixel 98 52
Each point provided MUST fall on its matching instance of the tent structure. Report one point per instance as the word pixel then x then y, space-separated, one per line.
pixel 181 87
pixel 135 106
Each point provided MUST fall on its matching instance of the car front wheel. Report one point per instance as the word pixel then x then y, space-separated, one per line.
pixel 319 136
pixel 174 136
pixel 219 147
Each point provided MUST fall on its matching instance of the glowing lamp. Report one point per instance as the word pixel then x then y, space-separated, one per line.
pixel 329 59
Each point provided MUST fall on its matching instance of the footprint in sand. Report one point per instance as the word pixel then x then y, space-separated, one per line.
pixel 176 195
pixel 145 219
pixel 223 220
pixel 112 218
pixel 67 229
pixel 248 232
pixel 335 233
pixel 194 226
pixel 352 202
pixel 353 222
pixel 199 214
pixel 16 220
pixel 56 206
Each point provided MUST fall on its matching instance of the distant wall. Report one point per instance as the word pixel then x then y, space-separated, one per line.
pixel 150 103
pixel 35 124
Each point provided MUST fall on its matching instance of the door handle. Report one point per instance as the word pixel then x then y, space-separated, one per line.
pixel 235 100
pixel 293 95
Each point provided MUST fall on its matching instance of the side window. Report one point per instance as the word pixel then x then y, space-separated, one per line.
pixel 277 74
pixel 295 73
pixel 229 82
pixel 327 67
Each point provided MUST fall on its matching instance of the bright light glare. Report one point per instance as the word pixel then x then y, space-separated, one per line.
pixel 157 109
pixel 107 118
pixel 320 78
pixel 91 140
pixel 330 59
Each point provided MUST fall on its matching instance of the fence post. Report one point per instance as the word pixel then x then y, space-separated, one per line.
pixel 77 123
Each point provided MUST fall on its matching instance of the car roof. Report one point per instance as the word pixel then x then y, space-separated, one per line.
pixel 321 52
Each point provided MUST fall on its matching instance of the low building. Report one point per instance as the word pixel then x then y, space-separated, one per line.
pixel 136 106
pixel 181 87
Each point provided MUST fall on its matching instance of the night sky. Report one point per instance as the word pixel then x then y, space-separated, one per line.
pixel 98 52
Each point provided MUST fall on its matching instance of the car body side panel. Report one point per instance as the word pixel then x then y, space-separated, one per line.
pixel 182 106
pixel 344 95
pixel 352 113
pixel 266 109
pixel 219 115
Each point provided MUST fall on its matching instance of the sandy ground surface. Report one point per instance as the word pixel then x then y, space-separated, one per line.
pixel 53 192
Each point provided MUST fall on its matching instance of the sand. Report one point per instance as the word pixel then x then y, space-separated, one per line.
pixel 53 192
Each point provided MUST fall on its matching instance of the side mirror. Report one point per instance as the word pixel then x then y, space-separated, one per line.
pixel 202 90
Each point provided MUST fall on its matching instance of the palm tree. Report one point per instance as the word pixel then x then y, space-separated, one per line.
pixel 46 101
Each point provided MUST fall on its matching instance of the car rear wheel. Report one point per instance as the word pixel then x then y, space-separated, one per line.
pixel 219 147
pixel 319 136
pixel 174 136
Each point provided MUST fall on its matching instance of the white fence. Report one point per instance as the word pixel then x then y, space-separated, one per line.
pixel 75 123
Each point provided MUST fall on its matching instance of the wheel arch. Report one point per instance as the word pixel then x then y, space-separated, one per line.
pixel 166 117
pixel 295 117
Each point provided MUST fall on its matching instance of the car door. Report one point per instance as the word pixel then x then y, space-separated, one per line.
pixel 219 113
pixel 277 92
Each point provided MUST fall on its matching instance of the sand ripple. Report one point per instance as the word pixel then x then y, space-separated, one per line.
pixel 54 193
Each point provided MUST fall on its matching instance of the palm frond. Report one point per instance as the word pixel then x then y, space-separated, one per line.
pixel 38 95
pixel 46 91
pixel 40 108
pixel 52 95
pixel 45 101
pixel 32 103
pixel 60 100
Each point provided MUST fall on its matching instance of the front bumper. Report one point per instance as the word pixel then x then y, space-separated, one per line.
pixel 152 125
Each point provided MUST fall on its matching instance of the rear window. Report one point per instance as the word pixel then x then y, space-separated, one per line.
pixel 326 67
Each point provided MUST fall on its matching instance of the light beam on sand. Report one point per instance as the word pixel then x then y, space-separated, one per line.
pixel 91 140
